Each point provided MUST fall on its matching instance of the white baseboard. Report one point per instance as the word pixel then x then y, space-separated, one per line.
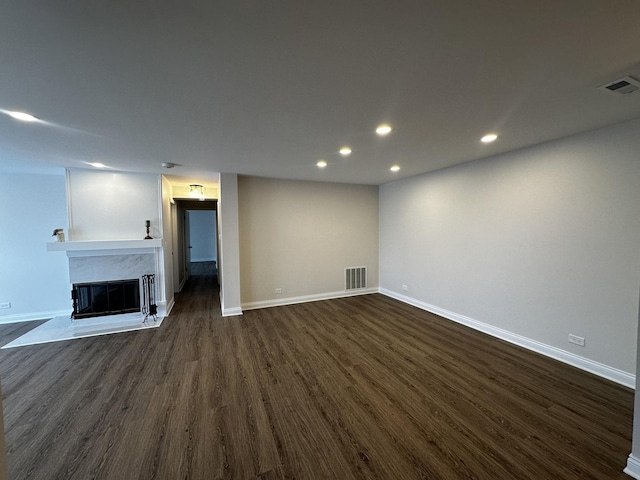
pixel 279 302
pixel 600 369
pixel 633 467
pixel 28 317
pixel 164 308
pixel 231 312
pixel 181 284
pixel 163 311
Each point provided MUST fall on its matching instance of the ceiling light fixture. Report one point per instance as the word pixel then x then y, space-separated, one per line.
pixel 489 137
pixel 383 129
pixel 196 191
pixel 321 164
pixel 97 165
pixel 395 168
pixel 344 151
pixel 22 116
pixel 168 165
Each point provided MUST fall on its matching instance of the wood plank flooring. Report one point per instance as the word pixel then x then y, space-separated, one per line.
pixel 10 331
pixel 355 388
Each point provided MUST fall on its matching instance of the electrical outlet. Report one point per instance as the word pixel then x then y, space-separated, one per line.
pixel 576 339
pixel 278 290
pixel 5 305
pixel 404 287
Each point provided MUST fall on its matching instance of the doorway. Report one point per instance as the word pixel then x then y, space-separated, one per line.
pixel 202 247
pixel 197 239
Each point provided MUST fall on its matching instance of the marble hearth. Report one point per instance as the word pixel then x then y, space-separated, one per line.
pixel 97 261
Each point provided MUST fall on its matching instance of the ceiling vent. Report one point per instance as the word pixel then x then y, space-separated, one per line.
pixel 623 86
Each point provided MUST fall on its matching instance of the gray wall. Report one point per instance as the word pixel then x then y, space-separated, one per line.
pixel 168 247
pixel 541 242
pixel 229 243
pixel 34 281
pixel 299 236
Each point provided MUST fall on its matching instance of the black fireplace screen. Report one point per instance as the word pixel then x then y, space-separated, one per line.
pixel 106 298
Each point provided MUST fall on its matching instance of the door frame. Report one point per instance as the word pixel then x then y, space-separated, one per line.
pixel 182 225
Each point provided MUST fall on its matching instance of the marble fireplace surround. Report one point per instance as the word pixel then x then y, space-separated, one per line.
pixel 105 260
pixel 102 268
pixel 96 261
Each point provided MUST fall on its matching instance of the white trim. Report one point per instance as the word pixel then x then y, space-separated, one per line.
pixel 600 369
pixel 307 298
pixel 67 188
pixel 169 306
pixel 29 317
pixel 181 284
pixel 163 308
pixel 90 248
pixel 231 312
pixel 633 467
pixel 163 311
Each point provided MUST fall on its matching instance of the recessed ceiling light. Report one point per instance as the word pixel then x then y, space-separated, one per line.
pixel 383 129
pixel 344 151
pixel 321 164
pixel 395 168
pixel 22 116
pixel 97 164
pixel 489 137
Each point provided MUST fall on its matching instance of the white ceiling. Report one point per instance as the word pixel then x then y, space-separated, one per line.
pixel 269 87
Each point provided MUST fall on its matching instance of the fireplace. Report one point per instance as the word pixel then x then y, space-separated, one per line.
pixel 115 279
pixel 105 298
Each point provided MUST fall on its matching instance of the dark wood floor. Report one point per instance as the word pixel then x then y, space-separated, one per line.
pixel 9 332
pixel 362 387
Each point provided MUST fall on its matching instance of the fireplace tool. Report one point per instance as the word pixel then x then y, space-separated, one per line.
pixel 149 307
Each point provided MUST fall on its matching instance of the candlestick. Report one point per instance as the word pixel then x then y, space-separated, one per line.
pixel 148 224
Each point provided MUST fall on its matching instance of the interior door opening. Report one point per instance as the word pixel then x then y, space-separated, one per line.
pixel 197 224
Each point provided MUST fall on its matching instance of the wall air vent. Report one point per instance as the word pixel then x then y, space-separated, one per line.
pixel 355 278
pixel 623 86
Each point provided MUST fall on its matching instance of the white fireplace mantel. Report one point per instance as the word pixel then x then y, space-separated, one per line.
pixel 110 260
pixel 105 247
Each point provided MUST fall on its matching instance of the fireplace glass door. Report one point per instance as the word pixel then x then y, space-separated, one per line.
pixel 106 298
